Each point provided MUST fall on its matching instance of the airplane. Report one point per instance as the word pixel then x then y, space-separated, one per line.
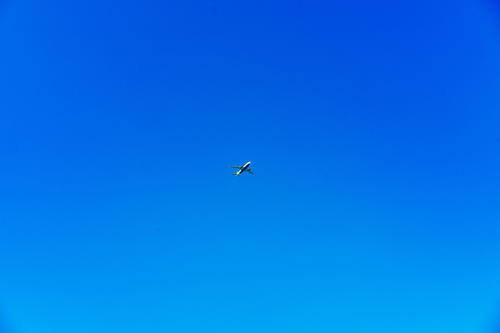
pixel 243 169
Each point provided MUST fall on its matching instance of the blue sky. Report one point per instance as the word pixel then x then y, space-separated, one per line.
pixel 373 129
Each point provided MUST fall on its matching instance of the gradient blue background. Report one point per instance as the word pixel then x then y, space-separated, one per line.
pixel 373 128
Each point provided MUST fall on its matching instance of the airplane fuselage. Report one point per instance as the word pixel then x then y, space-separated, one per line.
pixel 243 168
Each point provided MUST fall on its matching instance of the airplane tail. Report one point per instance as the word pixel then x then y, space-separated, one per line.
pixel 236 174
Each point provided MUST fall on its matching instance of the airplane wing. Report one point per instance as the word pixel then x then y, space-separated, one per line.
pixel 250 171
pixel 236 167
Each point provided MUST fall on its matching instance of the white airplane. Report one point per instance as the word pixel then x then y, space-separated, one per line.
pixel 243 169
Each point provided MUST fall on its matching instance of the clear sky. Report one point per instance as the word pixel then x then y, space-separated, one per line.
pixel 373 128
